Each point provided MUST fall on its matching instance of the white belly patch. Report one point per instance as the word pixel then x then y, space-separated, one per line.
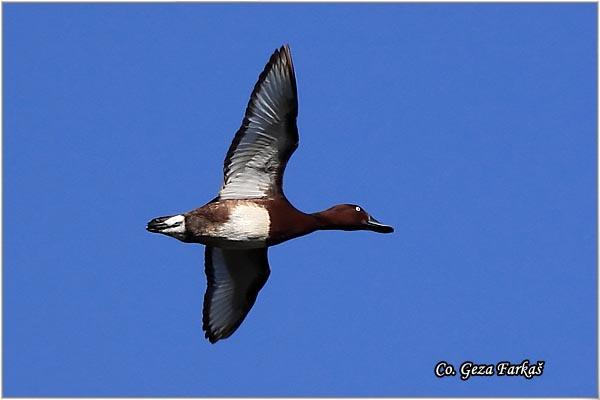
pixel 247 222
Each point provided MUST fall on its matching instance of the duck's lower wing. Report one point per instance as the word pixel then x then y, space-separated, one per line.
pixel 234 279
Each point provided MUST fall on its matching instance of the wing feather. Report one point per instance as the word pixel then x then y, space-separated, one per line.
pixel 234 279
pixel 256 160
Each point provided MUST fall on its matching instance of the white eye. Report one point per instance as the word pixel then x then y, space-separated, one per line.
pixel 357 208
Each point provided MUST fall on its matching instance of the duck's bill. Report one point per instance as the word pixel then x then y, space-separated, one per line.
pixel 376 226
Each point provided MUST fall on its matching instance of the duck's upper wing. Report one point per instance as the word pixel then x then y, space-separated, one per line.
pixel 261 148
pixel 234 279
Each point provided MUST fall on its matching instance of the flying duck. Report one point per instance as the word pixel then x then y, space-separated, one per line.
pixel 251 212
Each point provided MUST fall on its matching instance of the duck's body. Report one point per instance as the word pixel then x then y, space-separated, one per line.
pixel 236 224
pixel 251 213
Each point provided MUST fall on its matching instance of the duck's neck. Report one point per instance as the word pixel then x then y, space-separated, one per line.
pixel 298 224
pixel 325 220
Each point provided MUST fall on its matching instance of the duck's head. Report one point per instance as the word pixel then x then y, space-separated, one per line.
pixel 350 217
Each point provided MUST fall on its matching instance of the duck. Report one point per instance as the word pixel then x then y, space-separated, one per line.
pixel 251 212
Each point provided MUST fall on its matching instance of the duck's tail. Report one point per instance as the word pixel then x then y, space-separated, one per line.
pixel 171 225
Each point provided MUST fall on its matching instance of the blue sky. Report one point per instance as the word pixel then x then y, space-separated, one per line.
pixel 471 128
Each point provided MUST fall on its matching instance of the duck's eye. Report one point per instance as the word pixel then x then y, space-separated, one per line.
pixel 357 208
